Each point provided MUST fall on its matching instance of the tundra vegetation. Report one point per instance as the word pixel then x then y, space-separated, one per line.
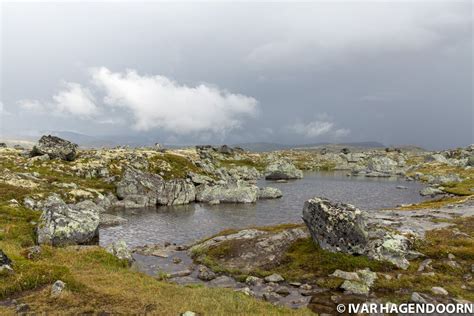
pixel 97 281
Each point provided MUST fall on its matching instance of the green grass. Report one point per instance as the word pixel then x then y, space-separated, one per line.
pixel 179 166
pixel 304 260
pixel 247 162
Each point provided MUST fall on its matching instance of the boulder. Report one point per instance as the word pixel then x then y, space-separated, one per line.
pixel 65 224
pixel 269 193
pixel 340 227
pixel 238 192
pixel 120 250
pixel 336 226
pixel 282 169
pixel 382 165
pixel 147 189
pixel 251 249
pixel 55 147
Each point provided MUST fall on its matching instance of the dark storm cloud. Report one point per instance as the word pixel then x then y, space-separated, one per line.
pixel 395 72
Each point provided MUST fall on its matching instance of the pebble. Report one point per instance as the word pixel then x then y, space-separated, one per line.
pixel 439 291
pixel 274 278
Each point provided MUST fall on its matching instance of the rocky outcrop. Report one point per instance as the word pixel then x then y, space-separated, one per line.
pixel 140 189
pixel 340 227
pixel 252 249
pixel 269 193
pixel 66 224
pixel 238 192
pixel 55 147
pixel 282 170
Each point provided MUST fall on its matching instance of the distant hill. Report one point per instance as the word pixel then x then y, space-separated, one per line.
pixel 275 146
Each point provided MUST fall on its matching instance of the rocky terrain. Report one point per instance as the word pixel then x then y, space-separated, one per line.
pixel 55 196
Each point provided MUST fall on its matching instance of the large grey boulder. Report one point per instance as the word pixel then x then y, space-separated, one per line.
pixel 238 192
pixel 151 189
pixel 340 227
pixel 66 224
pixel 382 165
pixel 336 226
pixel 55 147
pixel 282 170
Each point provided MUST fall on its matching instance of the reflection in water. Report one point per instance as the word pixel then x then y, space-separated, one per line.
pixel 187 223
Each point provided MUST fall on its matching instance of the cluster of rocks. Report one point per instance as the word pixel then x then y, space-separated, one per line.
pixel 340 227
pixel 138 189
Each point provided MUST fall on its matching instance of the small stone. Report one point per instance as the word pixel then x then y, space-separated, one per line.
pixel 282 290
pixel 271 297
pixel 351 276
pixel 179 274
pixel 439 291
pixel 177 260
pixel 57 288
pixel 189 313
pixel 246 290
pixel 22 308
pixel 425 264
pixel 33 252
pixel 253 280
pixel 355 287
pixel 428 274
pixel 274 278
pixel 295 284
pixel 306 287
pixel 451 256
pixel 417 298
pixel 453 264
pixel 205 274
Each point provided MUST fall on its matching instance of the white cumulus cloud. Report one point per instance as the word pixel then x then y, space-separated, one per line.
pixel 73 100
pixel 159 102
pixel 322 126
pixel 76 100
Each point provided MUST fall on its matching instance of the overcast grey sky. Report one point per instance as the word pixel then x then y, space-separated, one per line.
pixel 398 72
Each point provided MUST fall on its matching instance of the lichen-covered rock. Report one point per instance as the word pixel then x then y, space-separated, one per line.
pixel 358 282
pixel 239 192
pixel 269 193
pixel 340 227
pixel 152 189
pixel 282 169
pixel 57 288
pixel 120 250
pixel 252 249
pixel 336 226
pixel 55 147
pixel 65 224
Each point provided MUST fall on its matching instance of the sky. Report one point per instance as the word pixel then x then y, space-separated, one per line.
pixel 396 72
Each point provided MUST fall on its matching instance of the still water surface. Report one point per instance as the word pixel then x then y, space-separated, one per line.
pixel 187 223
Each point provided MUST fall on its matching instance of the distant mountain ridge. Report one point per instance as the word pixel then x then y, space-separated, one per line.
pixel 88 141
pixel 275 146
